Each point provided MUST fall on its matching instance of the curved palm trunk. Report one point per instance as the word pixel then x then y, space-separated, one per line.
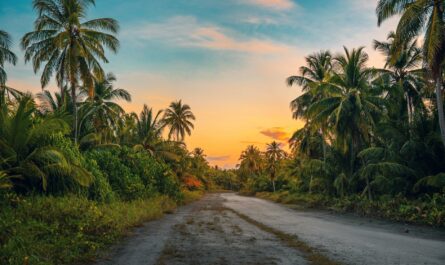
pixel 439 100
pixel 75 120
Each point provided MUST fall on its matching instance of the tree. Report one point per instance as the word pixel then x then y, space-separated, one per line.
pixel 6 56
pixel 25 156
pixel 350 107
pixel 68 47
pixel 178 117
pixel 422 17
pixel 149 126
pixel 274 155
pixel 55 104
pixel 317 72
pixel 101 108
pixel 251 160
pixel 402 67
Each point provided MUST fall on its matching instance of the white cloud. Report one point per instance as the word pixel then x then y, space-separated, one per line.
pixel 186 31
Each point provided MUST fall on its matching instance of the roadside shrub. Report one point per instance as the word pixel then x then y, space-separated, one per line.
pixel 122 179
pixel 135 174
pixel 63 230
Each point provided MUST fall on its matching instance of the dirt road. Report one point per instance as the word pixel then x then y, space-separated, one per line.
pixel 231 229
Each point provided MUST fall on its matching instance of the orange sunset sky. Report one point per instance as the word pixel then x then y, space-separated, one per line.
pixel 227 59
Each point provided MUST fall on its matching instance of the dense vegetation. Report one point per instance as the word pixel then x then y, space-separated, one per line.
pixel 374 139
pixel 76 170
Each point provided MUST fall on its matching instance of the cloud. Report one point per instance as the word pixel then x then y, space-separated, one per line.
pixel 218 158
pixel 186 31
pixel 276 133
pixel 275 4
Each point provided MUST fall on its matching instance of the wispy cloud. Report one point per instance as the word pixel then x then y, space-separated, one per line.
pixel 276 133
pixel 186 31
pixel 276 4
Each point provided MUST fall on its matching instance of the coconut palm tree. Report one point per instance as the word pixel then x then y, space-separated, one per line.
pixel 251 160
pixel 6 55
pixel 100 109
pixel 149 126
pixel 55 104
pixel 422 17
pixel 274 155
pixel 68 46
pixel 317 71
pixel 402 67
pixel 178 117
pixel 350 107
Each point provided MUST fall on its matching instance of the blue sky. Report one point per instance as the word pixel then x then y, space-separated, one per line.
pixel 227 59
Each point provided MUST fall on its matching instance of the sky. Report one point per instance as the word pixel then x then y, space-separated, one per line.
pixel 227 59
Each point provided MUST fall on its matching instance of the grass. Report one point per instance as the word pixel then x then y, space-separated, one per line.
pixel 191 196
pixel 71 229
pixel 426 211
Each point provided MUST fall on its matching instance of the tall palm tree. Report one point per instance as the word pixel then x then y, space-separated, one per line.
pixel 274 155
pixel 422 17
pixel 178 117
pixel 317 71
pixel 6 55
pixel 68 46
pixel 351 107
pixel 100 108
pixel 251 160
pixel 402 67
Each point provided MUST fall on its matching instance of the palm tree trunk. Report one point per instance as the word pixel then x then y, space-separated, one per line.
pixel 408 109
pixel 368 187
pixel 439 100
pixel 75 120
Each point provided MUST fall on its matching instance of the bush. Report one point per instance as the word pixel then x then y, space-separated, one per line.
pixel 429 210
pixel 62 230
pixel 135 174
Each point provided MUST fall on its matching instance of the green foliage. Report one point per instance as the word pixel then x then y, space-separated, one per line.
pixel 65 230
pixel 134 174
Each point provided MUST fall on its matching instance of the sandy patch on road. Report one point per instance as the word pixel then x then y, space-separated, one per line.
pixel 214 235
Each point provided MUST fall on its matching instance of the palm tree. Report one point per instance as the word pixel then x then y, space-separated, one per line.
pixel 402 66
pixel 6 55
pixel 317 71
pixel 26 158
pixel 100 108
pixel 251 160
pixel 69 47
pixel 422 17
pixel 56 104
pixel 149 126
pixel 274 155
pixel 351 107
pixel 179 118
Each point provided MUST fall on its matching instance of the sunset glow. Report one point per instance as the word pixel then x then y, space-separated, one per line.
pixel 227 59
